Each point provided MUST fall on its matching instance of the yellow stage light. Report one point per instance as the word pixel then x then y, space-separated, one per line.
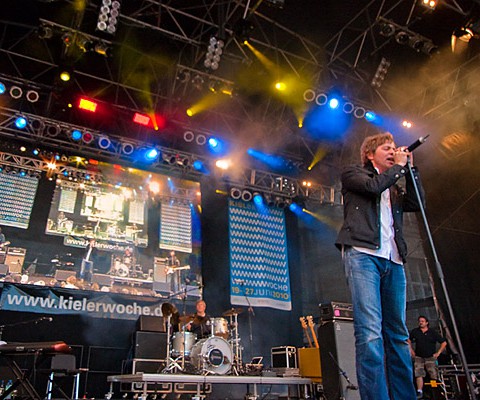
pixel 190 112
pixel 65 76
pixel 280 86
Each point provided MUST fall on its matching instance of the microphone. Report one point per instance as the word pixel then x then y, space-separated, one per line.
pixel 420 140
pixel 49 319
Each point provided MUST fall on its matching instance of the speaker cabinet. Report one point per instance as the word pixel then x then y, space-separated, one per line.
pixel 62 275
pixel 150 345
pixel 3 269
pixel 337 346
pixel 14 259
pixel 147 323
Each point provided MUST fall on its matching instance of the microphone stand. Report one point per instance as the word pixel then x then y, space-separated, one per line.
pixel 250 314
pixel 350 385
pixel 441 277
pixel 30 321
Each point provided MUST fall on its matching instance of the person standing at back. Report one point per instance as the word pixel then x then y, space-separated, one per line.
pixel 425 353
pixel 374 250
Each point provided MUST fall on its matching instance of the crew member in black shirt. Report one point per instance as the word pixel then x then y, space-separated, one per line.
pixel 425 352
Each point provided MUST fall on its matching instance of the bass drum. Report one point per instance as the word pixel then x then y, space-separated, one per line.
pixel 212 355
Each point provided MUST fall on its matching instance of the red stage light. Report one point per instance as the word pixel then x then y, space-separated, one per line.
pixel 141 119
pixel 91 161
pixel 88 105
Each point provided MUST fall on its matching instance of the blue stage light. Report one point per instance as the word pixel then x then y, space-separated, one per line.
pixel 370 116
pixel 151 154
pixel 258 199
pixel 3 89
pixel 23 173
pixel 333 103
pixel 21 122
pixel 294 207
pixel 76 134
pixel 213 142
pixel 36 152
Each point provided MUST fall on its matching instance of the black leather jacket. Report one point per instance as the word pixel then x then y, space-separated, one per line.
pixel 361 188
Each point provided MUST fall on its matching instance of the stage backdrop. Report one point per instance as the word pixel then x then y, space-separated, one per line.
pixel 259 274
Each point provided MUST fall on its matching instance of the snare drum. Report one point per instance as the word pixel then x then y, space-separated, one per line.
pixel 212 355
pixel 220 327
pixel 178 347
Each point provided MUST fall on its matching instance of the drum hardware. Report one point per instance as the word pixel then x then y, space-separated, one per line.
pixel 174 364
pixel 234 342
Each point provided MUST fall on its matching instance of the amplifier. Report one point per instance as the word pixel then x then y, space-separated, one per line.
pixel 335 310
pixel 14 259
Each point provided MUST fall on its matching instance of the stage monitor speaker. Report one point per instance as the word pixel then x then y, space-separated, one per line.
pixel 150 345
pixel 337 347
pixel 148 323
pixel 102 279
pixel 62 275
pixel 14 259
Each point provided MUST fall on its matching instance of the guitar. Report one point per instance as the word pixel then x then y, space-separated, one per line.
pixel 311 325
pixel 305 330
pixel 171 270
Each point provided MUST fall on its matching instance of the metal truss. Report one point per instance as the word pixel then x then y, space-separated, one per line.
pixel 55 136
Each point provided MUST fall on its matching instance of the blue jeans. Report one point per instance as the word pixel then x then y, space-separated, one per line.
pixel 383 362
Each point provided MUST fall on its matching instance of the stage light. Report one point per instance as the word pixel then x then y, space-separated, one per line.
pixel 213 142
pixel 257 198
pixel 333 103
pixel 198 165
pixel 309 95
pixel 370 116
pixel 108 16
pixel 16 92
pixel 65 76
pixel 169 158
pixel 223 164
pixel 23 149
pixel 407 124
pixel 430 4
pixel 104 142
pixel 44 32
pixel 280 86
pixel 359 112
pixel 189 112
pixel 402 38
pixel 32 96
pixel 235 193
pixel 21 122
pixel 188 136
pixel 295 208
pixel 141 119
pixel 87 138
pixel 321 99
pixel 3 89
pixel 103 49
pixel 36 152
pixel 85 44
pixel 201 140
pixel 247 195
pixel 151 154
pixel 67 39
pixel 88 105
pixel 127 148
pixel 387 29
pixel 380 73
pixel 76 135
pixel 348 108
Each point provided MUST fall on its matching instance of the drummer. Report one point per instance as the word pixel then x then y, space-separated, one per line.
pixel 200 325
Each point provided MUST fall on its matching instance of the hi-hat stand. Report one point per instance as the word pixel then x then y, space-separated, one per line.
pixel 177 364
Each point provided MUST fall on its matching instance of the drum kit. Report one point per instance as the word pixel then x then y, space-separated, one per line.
pixel 220 353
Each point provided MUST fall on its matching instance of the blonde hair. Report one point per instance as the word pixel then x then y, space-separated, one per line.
pixel 371 143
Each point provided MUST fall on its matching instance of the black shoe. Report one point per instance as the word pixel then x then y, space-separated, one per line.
pixel 419 395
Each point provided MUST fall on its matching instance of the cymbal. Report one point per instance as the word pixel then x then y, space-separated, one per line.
pixel 168 309
pixel 232 311
pixel 185 319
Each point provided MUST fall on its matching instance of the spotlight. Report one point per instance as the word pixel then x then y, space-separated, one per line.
pixel 246 195
pixel 16 92
pixel 387 30
pixel 430 4
pixel 65 76
pixel 309 95
pixel 169 158
pixel 359 112
pixel 269 200
pixel 88 105
pixel 76 135
pixel 235 193
pixel 370 116
pixel 380 73
pixel 21 122
pixel 67 39
pixel 3 89
pixel 32 96
pixel 108 16
pixel 141 119
pixel 348 108
pixel 104 142
pixel 151 154
pixel 44 32
pixel 333 103
pixel 103 49
pixel 321 99
pixel 183 76
pixel 127 148
pixel 257 198
pixel 188 136
pixel 280 202
pixel 213 142
pixel 87 138
pixel 402 38
pixel 201 140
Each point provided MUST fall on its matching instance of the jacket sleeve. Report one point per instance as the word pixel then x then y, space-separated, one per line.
pixel 360 180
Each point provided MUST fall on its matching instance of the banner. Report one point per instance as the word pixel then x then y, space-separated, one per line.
pixel 258 256
pixel 48 300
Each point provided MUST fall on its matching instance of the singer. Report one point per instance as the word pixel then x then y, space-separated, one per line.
pixel 373 251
